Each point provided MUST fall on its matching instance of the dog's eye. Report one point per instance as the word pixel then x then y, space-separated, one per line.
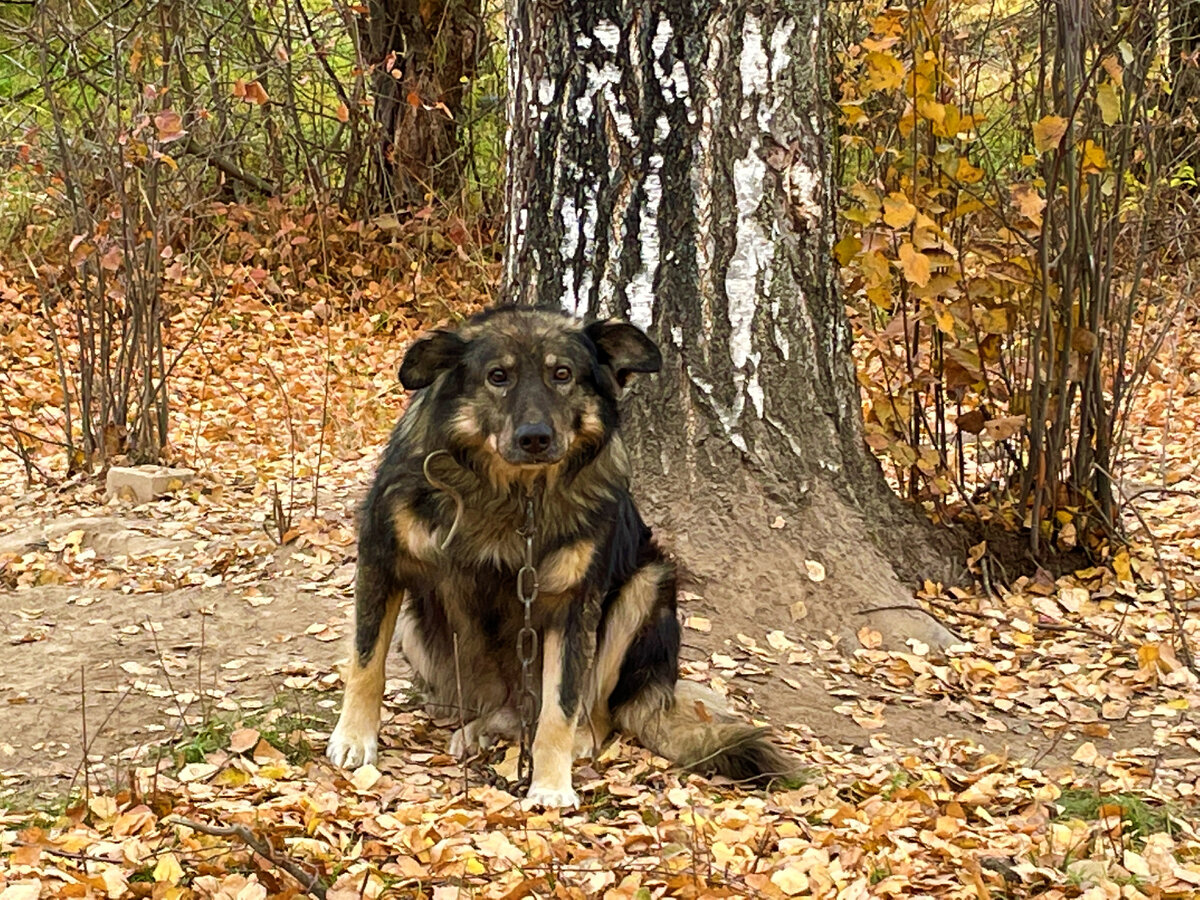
pixel 561 374
pixel 497 377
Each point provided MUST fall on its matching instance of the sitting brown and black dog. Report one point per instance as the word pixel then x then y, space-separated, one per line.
pixel 513 433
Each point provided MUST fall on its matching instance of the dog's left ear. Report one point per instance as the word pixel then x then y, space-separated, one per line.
pixel 429 357
pixel 624 348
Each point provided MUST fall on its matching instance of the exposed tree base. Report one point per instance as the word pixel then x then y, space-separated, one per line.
pixel 1009 556
pixel 818 570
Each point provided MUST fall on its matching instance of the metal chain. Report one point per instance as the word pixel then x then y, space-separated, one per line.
pixel 527 644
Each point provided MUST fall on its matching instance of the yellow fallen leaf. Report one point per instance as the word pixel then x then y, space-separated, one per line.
pixel 365 777
pixel 1094 159
pixel 231 778
pixel 846 249
pixel 1048 132
pixel 22 890
pixel 1136 865
pixel 1148 656
pixel 474 866
pixel 103 807
pixel 884 71
pixel 1121 567
pixel 1109 103
pixel 167 869
pixel 914 265
pixel 507 767
pixel 1028 201
pixel 983 791
pixel 115 883
pixel 791 881
pixel 898 211
pixel 196 772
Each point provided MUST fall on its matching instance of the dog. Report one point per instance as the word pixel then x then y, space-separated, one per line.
pixel 515 411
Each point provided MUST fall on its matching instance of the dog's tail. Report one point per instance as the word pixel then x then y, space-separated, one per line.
pixel 693 727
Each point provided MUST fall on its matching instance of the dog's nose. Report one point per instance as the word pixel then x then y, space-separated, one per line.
pixel 534 439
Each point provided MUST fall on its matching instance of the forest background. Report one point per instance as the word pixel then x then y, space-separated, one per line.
pixel 220 224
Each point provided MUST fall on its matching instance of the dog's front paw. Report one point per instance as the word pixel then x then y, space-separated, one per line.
pixel 469 740
pixel 349 749
pixel 550 797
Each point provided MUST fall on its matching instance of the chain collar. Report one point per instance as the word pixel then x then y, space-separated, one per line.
pixel 527 642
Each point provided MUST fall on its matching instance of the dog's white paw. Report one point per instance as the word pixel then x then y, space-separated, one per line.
pixel 350 750
pixel 550 798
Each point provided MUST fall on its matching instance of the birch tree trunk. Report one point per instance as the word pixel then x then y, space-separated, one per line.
pixel 669 164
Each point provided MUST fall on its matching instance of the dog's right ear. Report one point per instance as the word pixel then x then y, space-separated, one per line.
pixel 624 348
pixel 430 357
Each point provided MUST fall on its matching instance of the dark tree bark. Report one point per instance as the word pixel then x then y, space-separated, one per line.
pixel 1183 65
pixel 669 163
pixel 423 52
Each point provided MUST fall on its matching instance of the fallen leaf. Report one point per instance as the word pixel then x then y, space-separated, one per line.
pixel 365 777
pixel 243 739
pixel 1048 132
pixel 22 890
pixel 914 265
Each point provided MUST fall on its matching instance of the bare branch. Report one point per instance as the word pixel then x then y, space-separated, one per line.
pixel 310 882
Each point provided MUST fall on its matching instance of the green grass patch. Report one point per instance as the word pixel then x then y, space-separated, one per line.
pixel 795 780
pixel 282 725
pixel 601 806
pixel 1140 816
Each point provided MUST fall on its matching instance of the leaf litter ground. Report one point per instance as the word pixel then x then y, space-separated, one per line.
pixel 172 663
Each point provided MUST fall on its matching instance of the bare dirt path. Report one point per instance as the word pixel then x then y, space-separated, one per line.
pixel 111 676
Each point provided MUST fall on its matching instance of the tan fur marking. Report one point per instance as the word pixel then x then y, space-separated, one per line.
pixel 358 724
pixel 415 537
pixel 465 426
pixel 555 736
pixel 627 617
pixel 590 424
pixel 412 643
pixel 565 568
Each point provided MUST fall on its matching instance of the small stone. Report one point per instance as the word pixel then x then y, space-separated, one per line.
pixel 144 483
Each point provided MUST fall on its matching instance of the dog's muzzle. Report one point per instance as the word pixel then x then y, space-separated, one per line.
pixel 534 443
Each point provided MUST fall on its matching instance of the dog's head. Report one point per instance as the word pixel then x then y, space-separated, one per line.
pixel 529 386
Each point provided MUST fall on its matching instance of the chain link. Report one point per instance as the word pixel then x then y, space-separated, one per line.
pixel 527 644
